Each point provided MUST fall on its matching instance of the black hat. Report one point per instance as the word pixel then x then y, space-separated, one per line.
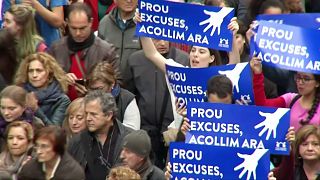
pixel 138 142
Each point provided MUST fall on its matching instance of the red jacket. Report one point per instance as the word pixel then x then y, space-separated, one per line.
pixel 93 4
pixel 260 96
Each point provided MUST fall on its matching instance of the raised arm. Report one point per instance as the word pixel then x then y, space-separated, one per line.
pixel 150 50
pixel 152 54
pixel 258 87
pixel 234 54
pixel 53 17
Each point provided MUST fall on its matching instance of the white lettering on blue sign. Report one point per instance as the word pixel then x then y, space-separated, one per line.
pixel 154 7
pixel 282 60
pixel 313 65
pixel 198 38
pixel 187 154
pixel 196 169
pixel 215 127
pixel 206 113
pixel 277 33
pixel 162 32
pixel 283 47
pixel 252 144
pixel 214 140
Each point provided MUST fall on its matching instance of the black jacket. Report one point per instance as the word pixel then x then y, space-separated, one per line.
pixel 68 169
pixel 81 147
pixel 148 83
pixel 154 173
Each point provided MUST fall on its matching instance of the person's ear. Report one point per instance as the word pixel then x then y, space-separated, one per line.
pixel 212 58
pixel 109 115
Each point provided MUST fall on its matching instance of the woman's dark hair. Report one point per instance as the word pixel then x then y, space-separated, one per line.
pixel 271 3
pixel 315 104
pixel 257 7
pixel 56 135
pixel 8 58
pixel 217 57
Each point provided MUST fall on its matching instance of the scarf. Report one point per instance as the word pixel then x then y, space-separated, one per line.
pixel 79 46
pixel 9 165
pixel 46 97
pixel 116 90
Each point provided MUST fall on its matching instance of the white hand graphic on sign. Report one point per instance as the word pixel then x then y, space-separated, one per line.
pixel 215 20
pixel 234 74
pixel 250 163
pixel 271 122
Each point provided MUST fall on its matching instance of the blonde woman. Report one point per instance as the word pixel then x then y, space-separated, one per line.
pixel 74 121
pixel 49 17
pixel 44 79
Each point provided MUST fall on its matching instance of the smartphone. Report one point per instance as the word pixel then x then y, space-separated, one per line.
pixel 81 81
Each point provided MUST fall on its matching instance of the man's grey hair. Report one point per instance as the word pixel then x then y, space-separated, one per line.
pixel 106 100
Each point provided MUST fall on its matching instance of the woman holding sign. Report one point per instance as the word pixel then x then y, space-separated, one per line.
pixel 199 57
pixel 304 106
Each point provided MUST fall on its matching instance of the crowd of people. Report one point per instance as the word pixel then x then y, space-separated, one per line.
pixel 83 97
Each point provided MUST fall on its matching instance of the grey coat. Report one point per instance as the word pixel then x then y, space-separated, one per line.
pixel 125 40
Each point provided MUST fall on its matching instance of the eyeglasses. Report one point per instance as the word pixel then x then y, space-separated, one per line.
pixel 302 79
pixel 42 146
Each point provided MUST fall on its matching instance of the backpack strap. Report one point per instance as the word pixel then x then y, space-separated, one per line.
pixel 294 100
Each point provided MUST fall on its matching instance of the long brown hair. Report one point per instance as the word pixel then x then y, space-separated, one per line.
pixel 24 16
pixel 8 57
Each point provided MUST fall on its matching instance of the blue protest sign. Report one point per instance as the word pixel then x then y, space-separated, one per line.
pixel 306 20
pixel 209 162
pixel 190 84
pixel 171 21
pixel 1 2
pixel 239 126
pixel 288 47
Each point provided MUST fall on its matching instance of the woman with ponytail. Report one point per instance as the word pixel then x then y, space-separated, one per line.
pixel 304 106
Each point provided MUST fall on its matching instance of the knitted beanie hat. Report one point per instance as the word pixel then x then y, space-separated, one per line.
pixel 138 142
